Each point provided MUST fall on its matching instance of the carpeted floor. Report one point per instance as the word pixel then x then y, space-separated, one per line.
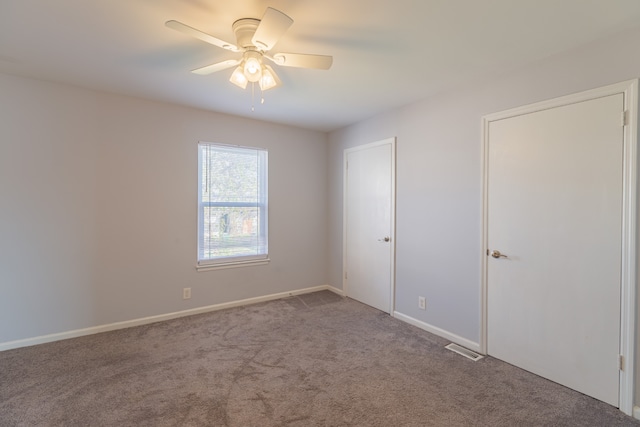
pixel 313 360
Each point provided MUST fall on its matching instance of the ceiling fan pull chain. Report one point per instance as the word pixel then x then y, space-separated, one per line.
pixel 253 86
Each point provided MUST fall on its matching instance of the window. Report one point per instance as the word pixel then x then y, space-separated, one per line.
pixel 232 206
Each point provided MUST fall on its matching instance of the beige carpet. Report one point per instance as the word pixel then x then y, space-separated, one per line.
pixel 314 360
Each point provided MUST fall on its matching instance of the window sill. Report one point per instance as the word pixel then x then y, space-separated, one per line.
pixel 234 264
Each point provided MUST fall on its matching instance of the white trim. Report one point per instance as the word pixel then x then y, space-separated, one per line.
pixel 333 289
pixel 159 318
pixel 233 145
pixel 630 242
pixel 471 345
pixel 484 238
pixel 236 264
pixel 629 224
pixel 636 412
pixel 392 142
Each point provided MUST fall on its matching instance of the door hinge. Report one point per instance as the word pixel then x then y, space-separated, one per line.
pixel 345 275
pixel 621 362
pixel 624 118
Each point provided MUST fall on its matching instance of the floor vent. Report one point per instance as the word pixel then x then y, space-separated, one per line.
pixel 465 352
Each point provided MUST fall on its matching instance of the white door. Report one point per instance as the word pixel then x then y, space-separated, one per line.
pixel 369 223
pixel 554 194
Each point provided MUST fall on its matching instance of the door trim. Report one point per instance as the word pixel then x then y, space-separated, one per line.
pixel 389 141
pixel 629 221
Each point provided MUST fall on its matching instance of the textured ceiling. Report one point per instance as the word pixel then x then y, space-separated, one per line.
pixel 387 53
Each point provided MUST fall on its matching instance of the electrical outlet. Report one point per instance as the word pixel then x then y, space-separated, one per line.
pixel 422 303
pixel 186 293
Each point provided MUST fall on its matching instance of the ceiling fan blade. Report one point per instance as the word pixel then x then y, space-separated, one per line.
pixel 272 26
pixel 301 60
pixel 185 29
pixel 218 66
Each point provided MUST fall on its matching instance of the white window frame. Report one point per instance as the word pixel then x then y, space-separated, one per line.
pixel 204 264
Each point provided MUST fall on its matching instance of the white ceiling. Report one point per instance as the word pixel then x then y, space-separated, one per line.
pixel 387 53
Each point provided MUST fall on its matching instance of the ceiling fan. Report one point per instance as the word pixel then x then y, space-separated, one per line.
pixel 255 38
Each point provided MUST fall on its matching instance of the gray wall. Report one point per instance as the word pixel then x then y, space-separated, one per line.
pixel 439 177
pixel 98 208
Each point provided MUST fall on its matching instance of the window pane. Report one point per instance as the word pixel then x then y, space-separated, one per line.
pixel 232 203
pixel 230 176
pixel 231 231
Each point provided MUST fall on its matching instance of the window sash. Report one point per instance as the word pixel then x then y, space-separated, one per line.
pixel 232 228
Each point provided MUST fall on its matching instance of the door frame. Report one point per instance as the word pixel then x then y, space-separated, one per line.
pixel 629 221
pixel 392 288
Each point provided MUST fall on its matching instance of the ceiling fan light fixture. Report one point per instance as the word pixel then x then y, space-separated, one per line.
pixel 253 66
pixel 238 78
pixel 269 79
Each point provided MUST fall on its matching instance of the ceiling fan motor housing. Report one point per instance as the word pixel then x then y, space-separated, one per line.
pixel 244 29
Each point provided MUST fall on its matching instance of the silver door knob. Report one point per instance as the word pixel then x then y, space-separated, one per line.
pixel 497 254
pixel 386 239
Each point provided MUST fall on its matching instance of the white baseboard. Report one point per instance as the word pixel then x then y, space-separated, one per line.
pixel 335 290
pixel 440 332
pixel 159 318
pixel 636 412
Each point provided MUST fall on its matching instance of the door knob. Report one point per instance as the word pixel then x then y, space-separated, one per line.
pixel 497 254
pixel 386 239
